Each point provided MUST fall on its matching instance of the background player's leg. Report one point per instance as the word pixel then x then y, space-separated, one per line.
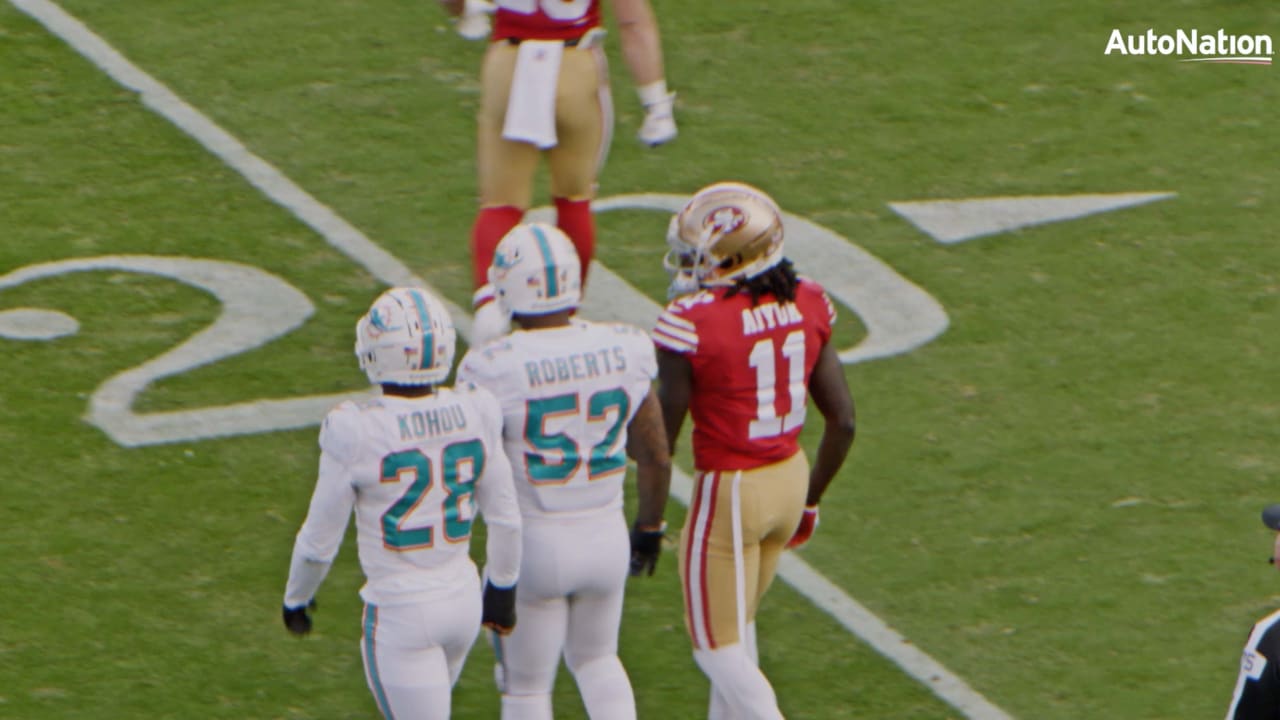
pixel 584 121
pixel 506 171
pixel 595 614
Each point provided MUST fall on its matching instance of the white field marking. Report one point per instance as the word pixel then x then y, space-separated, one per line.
pixel 260 174
pixel 384 266
pixel 36 324
pixel 256 307
pixel 953 221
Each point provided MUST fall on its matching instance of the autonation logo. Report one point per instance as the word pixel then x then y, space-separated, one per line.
pixel 1219 47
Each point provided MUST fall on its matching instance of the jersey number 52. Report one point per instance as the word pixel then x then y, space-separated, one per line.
pixel 558 456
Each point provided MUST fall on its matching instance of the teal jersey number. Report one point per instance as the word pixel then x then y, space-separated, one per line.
pixel 605 457
pixel 535 433
pixel 463 462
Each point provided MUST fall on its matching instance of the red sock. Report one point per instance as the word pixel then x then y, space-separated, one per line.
pixel 574 218
pixel 492 223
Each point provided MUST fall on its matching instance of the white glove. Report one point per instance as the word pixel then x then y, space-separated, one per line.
pixel 659 124
pixel 474 23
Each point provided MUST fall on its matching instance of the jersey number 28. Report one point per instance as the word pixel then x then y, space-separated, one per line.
pixel 463 462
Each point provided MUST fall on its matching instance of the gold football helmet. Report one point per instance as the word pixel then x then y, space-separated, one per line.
pixel 726 232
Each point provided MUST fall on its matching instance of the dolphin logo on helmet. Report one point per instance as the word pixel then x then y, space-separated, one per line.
pixel 406 338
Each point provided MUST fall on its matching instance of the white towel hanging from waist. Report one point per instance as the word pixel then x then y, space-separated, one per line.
pixel 531 104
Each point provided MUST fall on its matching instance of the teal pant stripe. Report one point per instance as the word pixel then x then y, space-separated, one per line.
pixel 553 287
pixel 496 641
pixel 379 695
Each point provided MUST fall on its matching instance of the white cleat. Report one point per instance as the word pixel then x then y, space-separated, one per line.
pixel 659 124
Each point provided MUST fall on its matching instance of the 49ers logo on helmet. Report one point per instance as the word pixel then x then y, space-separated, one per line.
pixel 724 220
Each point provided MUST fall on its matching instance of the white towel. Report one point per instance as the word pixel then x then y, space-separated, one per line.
pixel 531 105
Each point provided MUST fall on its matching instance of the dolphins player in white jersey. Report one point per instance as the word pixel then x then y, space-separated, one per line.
pixel 576 401
pixel 413 464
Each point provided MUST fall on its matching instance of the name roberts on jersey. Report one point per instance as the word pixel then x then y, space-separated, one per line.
pixel 576 366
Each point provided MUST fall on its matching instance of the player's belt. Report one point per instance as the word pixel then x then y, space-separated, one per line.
pixel 568 42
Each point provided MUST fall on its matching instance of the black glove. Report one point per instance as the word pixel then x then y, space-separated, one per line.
pixel 499 613
pixel 297 620
pixel 646 547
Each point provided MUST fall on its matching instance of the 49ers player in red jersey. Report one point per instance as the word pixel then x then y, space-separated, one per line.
pixel 741 348
pixel 545 92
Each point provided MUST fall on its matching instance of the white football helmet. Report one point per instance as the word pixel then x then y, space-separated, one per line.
pixel 536 271
pixel 406 338
pixel 726 232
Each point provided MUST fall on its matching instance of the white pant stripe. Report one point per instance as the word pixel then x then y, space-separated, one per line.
pixel 697 593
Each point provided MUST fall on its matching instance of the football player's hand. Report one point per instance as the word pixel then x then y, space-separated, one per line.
pixel 297 620
pixel 808 523
pixel 646 548
pixel 659 124
pixel 499 613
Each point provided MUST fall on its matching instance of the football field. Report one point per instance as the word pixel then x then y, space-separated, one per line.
pixel 1059 287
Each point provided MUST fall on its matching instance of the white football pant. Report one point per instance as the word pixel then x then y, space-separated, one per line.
pixel 572 580
pixel 414 653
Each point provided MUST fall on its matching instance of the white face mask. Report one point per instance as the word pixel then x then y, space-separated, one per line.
pixel 682 283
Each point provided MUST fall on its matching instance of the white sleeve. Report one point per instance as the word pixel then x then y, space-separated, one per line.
pixel 674 332
pixel 496 495
pixel 321 534
pixel 332 501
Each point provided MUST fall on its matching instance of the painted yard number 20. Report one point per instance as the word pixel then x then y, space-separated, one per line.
pixel 897 315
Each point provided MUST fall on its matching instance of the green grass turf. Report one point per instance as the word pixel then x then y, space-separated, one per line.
pixel 1057 498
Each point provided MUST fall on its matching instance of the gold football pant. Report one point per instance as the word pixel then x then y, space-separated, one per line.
pixel 584 125
pixel 737 526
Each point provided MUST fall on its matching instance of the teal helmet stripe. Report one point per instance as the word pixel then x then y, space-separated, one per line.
pixel 553 288
pixel 428 338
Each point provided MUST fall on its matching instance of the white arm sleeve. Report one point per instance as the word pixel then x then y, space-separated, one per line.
pixel 496 494
pixel 321 534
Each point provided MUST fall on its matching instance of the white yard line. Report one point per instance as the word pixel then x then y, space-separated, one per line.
pixel 354 244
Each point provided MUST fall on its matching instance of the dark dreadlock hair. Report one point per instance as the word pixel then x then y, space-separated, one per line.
pixel 779 281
